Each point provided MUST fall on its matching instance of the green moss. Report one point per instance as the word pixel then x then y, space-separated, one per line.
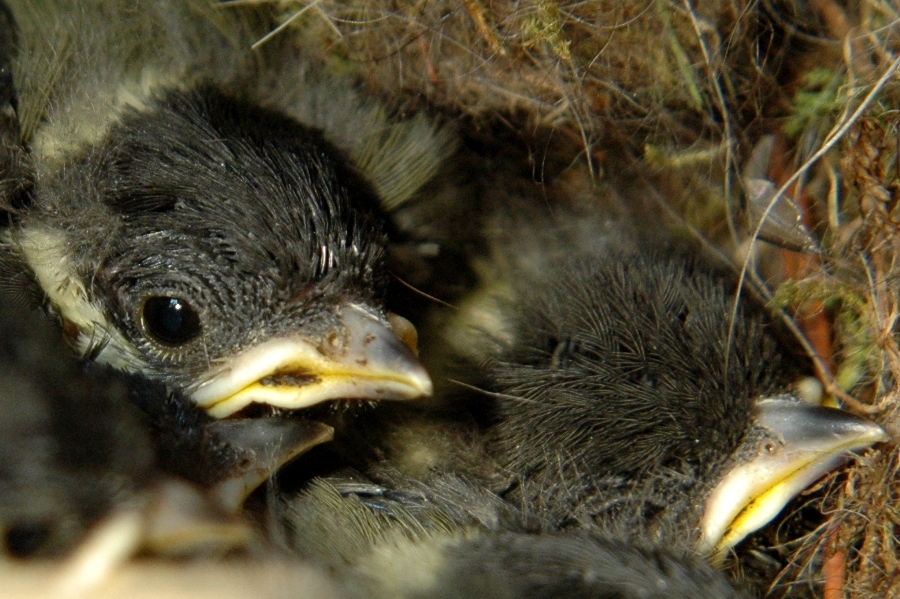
pixel 816 100
pixel 690 158
pixel 545 27
pixel 682 62
pixel 856 345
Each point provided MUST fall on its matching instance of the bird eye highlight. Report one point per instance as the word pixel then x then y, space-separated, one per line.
pixel 170 320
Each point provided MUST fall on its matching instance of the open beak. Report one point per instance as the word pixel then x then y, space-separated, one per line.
pixel 365 358
pixel 807 442
pixel 268 444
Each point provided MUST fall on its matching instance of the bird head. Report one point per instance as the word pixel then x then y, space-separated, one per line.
pixel 225 249
pixel 632 397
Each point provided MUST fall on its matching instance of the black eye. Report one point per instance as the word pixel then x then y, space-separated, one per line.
pixel 170 320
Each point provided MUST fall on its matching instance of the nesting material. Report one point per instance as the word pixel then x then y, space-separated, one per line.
pixel 586 67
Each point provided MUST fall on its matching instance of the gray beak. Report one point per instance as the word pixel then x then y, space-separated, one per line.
pixel 806 442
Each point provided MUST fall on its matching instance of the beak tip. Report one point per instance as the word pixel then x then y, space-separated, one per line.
pixel 423 384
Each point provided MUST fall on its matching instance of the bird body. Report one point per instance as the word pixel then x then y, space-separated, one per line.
pixel 514 565
pixel 621 382
pixel 445 536
pixel 72 447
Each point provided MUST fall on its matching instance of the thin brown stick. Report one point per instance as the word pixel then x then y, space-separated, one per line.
pixel 476 11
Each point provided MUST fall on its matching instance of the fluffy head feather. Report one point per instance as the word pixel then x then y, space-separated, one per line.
pixel 625 393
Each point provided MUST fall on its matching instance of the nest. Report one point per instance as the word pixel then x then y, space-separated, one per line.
pixel 653 71
pixel 682 92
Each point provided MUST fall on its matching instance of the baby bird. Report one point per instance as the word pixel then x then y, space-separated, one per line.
pixel 629 397
pixel 444 537
pixel 185 216
pixel 70 443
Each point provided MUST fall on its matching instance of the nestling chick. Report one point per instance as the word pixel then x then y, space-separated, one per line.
pixel 630 399
pixel 182 222
pixel 71 445
pixel 445 537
